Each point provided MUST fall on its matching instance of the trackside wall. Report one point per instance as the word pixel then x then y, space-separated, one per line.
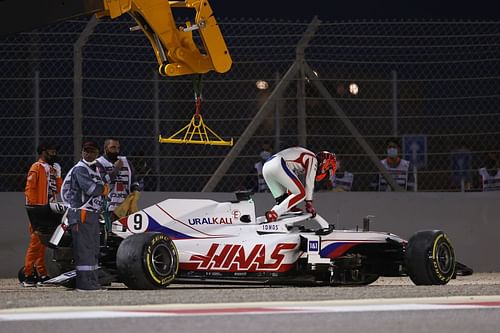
pixel 472 220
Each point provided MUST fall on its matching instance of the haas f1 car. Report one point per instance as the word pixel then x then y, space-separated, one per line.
pixel 179 240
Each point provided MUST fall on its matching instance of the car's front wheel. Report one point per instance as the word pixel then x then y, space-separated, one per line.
pixel 147 261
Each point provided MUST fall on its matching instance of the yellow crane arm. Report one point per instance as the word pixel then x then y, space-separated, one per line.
pixel 174 47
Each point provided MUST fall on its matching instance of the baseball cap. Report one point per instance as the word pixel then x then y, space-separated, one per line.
pixel 44 146
pixel 90 145
pixel 392 141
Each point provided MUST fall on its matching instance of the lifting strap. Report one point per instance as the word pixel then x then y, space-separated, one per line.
pixel 196 132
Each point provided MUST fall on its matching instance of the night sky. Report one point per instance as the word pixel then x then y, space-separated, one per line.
pixel 361 9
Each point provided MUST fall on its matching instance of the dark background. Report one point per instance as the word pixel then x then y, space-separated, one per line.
pixel 358 9
pixel 118 105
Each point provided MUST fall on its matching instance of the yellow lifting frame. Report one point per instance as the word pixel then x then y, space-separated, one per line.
pixel 196 132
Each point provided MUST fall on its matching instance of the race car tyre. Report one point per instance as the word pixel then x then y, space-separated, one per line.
pixel 20 275
pixel 58 261
pixel 369 279
pixel 430 258
pixel 147 261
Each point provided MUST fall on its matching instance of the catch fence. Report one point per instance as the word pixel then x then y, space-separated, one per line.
pixel 434 85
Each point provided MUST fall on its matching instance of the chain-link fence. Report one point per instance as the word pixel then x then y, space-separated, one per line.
pixel 432 84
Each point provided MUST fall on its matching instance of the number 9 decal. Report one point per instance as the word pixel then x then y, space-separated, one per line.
pixel 138 222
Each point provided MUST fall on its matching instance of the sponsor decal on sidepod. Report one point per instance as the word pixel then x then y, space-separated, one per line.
pixel 210 220
pixel 233 257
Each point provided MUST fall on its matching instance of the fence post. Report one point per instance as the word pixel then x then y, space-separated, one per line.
pixel 301 84
pixel 277 119
pixel 156 97
pixel 394 103
pixel 36 110
pixel 78 87
pixel 301 107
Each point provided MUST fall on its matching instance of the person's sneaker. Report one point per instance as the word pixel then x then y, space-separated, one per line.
pixel 29 281
pixel 271 216
pixel 41 280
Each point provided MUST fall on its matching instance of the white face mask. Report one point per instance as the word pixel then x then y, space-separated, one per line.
pixel 392 152
pixel 89 163
pixel 264 155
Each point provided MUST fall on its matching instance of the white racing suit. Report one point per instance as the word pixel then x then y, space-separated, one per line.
pixel 281 173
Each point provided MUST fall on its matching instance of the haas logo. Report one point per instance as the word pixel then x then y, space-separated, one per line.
pixel 233 258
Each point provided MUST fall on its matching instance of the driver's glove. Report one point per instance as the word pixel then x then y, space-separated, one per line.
pixel 310 209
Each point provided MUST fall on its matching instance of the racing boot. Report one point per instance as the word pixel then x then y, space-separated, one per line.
pixel 271 216
pixel 295 210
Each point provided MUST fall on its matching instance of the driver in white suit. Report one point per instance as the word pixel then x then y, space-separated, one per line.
pixel 281 173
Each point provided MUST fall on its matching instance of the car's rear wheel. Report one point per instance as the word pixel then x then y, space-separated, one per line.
pixel 369 279
pixel 430 258
pixel 147 261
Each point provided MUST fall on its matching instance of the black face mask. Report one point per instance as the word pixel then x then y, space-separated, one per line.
pixel 112 156
pixel 51 159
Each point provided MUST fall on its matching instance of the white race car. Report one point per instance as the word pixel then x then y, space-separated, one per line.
pixel 179 240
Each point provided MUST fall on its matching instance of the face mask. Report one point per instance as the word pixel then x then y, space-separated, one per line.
pixel 112 156
pixel 90 163
pixel 89 155
pixel 51 159
pixel 392 152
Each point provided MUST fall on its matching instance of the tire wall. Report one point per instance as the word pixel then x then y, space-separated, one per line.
pixel 471 220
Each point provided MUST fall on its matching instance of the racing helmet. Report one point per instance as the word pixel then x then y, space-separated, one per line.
pixel 326 161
